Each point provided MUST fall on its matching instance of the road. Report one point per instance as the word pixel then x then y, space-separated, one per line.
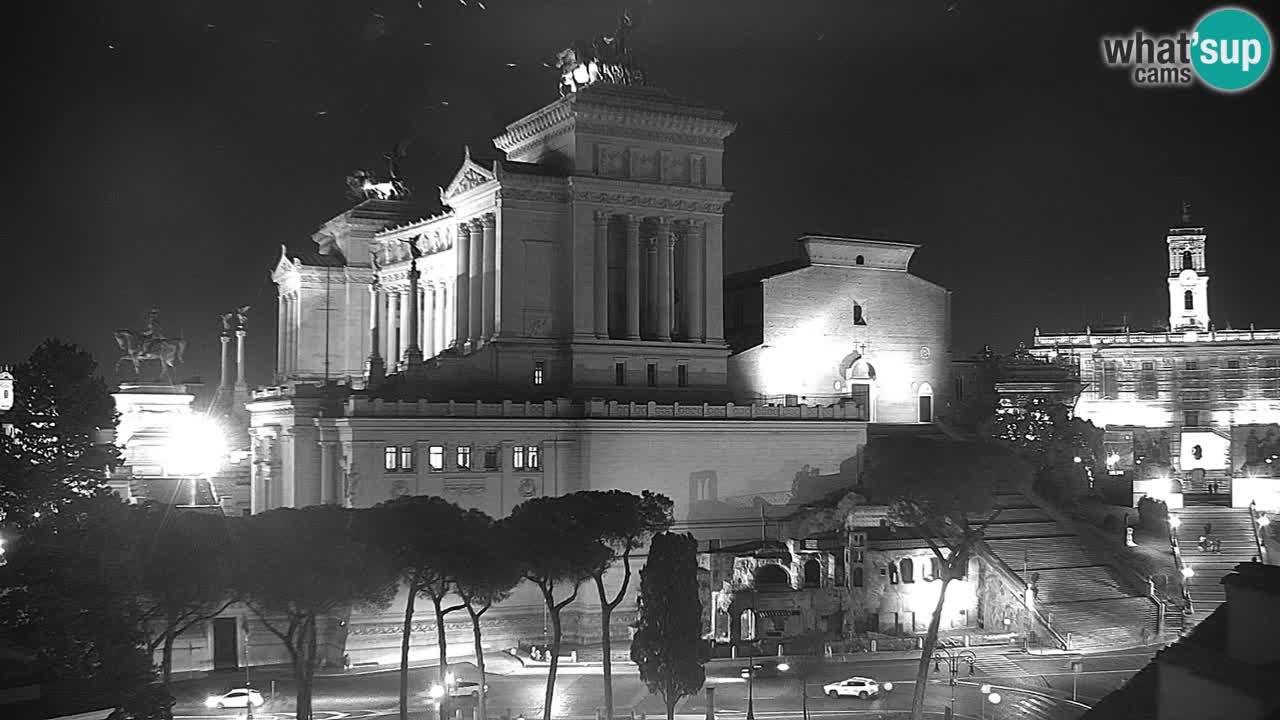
pixel 1031 687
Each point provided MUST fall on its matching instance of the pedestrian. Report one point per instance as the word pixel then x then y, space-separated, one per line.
pixel 1217 545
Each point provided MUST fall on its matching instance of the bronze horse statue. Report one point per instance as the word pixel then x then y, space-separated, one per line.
pixel 138 348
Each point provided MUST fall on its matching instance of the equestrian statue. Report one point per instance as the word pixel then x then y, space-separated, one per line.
pixel 150 344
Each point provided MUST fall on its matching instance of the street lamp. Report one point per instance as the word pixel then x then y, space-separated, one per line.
pixel 953 660
pixel 988 696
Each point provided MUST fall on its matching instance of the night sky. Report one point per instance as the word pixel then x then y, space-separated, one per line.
pixel 164 149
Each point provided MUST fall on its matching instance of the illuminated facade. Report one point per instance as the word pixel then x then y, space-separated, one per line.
pixel 1192 403
pixel 561 327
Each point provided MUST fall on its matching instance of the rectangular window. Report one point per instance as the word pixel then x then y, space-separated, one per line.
pixel 651 374
pixel 491 459
pixel 406 457
pixel 682 375
pixel 517 457
pixel 389 457
pixel 959 389
pixel 713 545
pixel 464 457
pixel 1148 387
pixel 1110 389
pixel 620 373
pixel 1191 418
pixel 1191 365
pixel 435 458
pixel 532 457
pixel 539 370
pixel 1233 364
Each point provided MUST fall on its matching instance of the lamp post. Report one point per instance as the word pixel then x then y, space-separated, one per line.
pixel 953 660
pixel 988 696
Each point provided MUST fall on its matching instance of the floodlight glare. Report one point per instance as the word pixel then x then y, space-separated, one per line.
pixel 195 446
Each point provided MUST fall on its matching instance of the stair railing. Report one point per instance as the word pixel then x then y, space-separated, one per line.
pixel 1177 560
pixel 1258 540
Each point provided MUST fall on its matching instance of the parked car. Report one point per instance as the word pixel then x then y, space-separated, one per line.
pixel 466 688
pixel 235 698
pixel 765 669
pixel 859 687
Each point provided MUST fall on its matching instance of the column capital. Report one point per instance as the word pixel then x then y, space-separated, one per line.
pixel 631 219
pixel 464 228
pixel 664 222
pixel 602 217
pixel 489 220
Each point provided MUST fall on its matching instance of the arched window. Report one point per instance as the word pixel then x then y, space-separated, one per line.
pixel 857 577
pixel 908 570
pixel 1188 301
pixel 772 575
pixel 812 574
pixel 859 260
pixel 857 315
pixel 925 402
pixel 1188 262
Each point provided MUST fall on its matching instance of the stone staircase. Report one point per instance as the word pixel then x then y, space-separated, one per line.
pixel 1234 527
pixel 1195 490
pixel 1081 597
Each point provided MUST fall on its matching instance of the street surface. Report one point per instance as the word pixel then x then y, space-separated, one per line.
pixel 1032 687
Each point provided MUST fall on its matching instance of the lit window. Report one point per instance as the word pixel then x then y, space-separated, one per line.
pixel 534 461
pixel 539 371
pixel 619 373
pixel 406 457
pixel 389 456
pixel 464 457
pixel 651 374
pixel 435 458
pixel 517 457
pixel 682 375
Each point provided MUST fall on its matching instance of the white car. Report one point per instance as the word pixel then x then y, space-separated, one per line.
pixel 457 689
pixel 237 698
pixel 860 687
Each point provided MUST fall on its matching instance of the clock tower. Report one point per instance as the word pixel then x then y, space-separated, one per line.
pixel 1188 276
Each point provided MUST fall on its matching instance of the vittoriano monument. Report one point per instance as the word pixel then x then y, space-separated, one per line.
pixel 150 344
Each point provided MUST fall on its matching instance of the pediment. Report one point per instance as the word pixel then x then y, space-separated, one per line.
pixel 469 176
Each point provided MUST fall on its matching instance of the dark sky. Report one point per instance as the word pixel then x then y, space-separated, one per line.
pixel 162 150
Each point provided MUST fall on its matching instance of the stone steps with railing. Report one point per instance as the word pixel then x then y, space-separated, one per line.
pixel 1065 585
pixel 1040 553
pixel 1233 528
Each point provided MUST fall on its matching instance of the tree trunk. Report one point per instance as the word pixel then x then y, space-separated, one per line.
pixel 166 659
pixel 304 666
pixel 555 657
pixel 671 709
pixel 606 612
pixel 442 645
pixel 926 651
pixel 404 652
pixel 475 633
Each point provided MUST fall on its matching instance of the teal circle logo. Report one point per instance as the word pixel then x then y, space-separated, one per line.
pixel 1231 49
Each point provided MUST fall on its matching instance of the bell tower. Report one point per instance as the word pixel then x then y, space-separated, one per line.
pixel 1188 275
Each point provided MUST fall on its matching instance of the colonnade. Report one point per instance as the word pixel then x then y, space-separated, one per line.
pixel 390 319
pixel 662 258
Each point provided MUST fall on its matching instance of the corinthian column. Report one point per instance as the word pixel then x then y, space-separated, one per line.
pixel 649 323
pixel 429 318
pixel 241 385
pixel 633 277
pixel 475 275
pixel 281 327
pixel 375 370
pixel 393 320
pixel 489 225
pixel 412 351
pixel 462 287
pixel 600 281
pixel 694 311
pixel 666 246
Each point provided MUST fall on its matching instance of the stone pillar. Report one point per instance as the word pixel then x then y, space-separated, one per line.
pixel 489 225
pixel 241 385
pixel 224 385
pixel 713 272
pixel 291 343
pixel 666 246
pixel 388 329
pixel 328 473
pixel 412 300
pixel 475 275
pixel 633 277
pixel 694 310
pixel 282 326
pixel 375 369
pixel 394 331
pixel 429 318
pixel 649 322
pixel 462 287
pixel 600 281
pixel 442 317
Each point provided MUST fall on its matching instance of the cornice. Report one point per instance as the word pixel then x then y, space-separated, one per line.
pixel 534 124
pixel 641 195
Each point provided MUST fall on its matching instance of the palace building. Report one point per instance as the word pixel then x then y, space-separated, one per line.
pixel 565 324
pixel 1183 406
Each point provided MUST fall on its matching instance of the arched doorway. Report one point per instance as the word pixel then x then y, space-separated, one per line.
pixel 924 399
pixel 772 577
pixel 812 574
pixel 860 380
